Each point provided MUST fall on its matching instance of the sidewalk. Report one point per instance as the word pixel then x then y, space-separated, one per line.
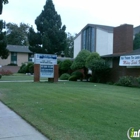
pixel 13 127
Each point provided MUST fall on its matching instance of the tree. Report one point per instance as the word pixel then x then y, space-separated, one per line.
pixel 3 42
pixel 98 66
pixel 17 35
pixel 1 4
pixel 136 42
pixel 80 60
pixel 68 52
pixel 50 36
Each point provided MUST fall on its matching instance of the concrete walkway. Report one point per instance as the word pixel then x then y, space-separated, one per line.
pixel 13 127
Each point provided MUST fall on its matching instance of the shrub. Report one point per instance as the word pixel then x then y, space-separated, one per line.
pixel 126 81
pixel 64 76
pixel 80 60
pixel 78 74
pixel 73 78
pixel 12 64
pixel 30 67
pixel 27 68
pixel 65 65
pixel 138 80
pixel 0 76
pixel 8 72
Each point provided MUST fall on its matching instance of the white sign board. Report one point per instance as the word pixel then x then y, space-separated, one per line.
pixel 47 71
pixel 45 59
pixel 129 60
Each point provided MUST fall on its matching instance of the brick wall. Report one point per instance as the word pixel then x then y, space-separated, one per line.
pixel 123 39
pixel 119 71
pixel 13 69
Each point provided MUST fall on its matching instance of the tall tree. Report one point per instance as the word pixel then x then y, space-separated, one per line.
pixel 17 35
pixel 68 52
pixel 1 4
pixel 136 42
pixel 3 42
pixel 50 36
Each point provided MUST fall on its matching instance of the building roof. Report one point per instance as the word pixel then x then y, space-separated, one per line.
pixel 134 52
pixel 107 28
pixel 104 27
pixel 17 48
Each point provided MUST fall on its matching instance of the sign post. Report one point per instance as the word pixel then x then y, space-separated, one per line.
pixel 45 66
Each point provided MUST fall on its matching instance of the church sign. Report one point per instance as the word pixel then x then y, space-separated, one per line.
pixel 129 60
pixel 47 62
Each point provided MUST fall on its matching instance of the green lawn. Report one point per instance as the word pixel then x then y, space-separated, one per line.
pixel 19 77
pixel 75 110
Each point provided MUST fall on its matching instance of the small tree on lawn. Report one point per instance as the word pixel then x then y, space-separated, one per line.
pixel 98 66
pixel 80 61
pixel 50 37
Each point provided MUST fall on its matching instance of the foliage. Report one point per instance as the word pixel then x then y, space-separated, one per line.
pixel 65 65
pixel 64 76
pixel 80 60
pixel 50 37
pixel 100 70
pixel 73 78
pixel 17 35
pixel 0 76
pixel 1 4
pixel 98 66
pixel 12 64
pixel 3 42
pixel 136 42
pixel 91 59
pixel 138 80
pixel 78 74
pixel 5 72
pixel 68 52
pixel 27 68
pixel 126 81
pixel 23 68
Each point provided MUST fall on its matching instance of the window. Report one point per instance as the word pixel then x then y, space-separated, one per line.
pixel 14 58
pixel 30 56
pixel 88 39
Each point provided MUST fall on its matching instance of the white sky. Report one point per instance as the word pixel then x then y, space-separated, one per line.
pixel 75 14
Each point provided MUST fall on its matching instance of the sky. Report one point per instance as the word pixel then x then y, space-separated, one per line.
pixel 76 14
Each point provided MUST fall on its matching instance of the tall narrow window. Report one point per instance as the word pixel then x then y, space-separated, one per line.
pixel 13 57
pixel 88 39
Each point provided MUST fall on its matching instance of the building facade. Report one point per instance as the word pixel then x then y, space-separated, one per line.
pixel 17 55
pixel 97 38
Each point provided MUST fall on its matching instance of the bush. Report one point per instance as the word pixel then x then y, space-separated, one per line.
pixel 138 80
pixel 126 81
pixel 23 68
pixel 73 78
pixel 0 76
pixel 78 74
pixel 64 76
pixel 80 60
pixel 30 67
pixel 12 64
pixel 27 68
pixel 65 65
pixel 8 72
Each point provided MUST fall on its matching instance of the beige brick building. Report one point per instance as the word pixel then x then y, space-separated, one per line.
pixel 17 55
